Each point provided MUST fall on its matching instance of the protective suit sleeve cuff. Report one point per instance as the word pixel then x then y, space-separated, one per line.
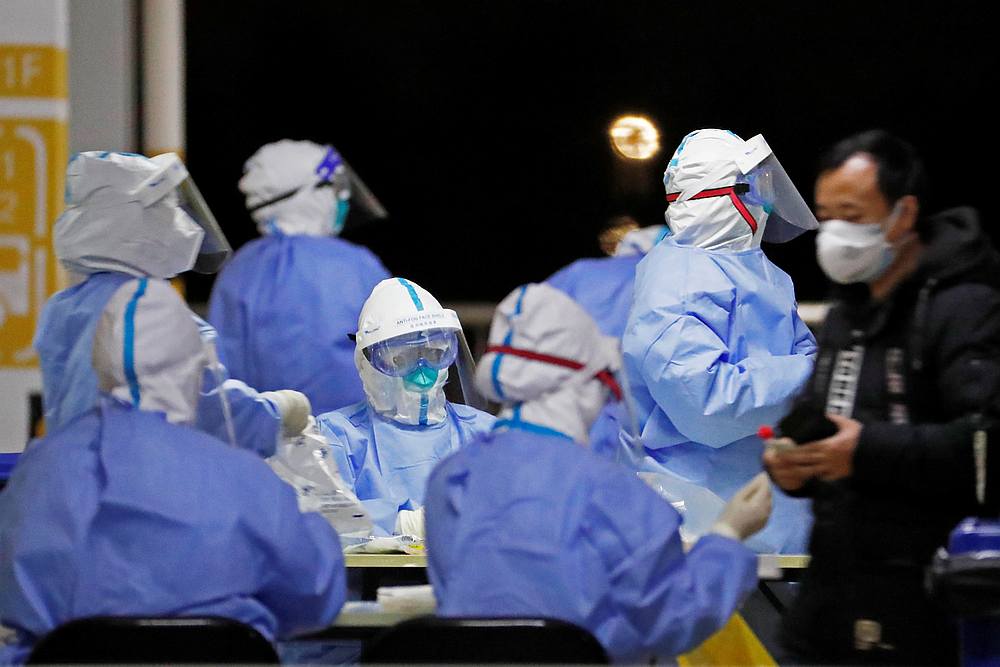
pixel 742 561
pixel 725 530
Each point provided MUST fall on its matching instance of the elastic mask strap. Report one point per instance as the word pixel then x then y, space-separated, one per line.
pixel 604 376
pixel 732 191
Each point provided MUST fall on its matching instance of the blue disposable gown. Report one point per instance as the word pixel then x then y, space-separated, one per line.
pixel 524 524
pixel 283 308
pixel 387 463
pixel 714 348
pixel 124 513
pixel 603 287
pixel 65 342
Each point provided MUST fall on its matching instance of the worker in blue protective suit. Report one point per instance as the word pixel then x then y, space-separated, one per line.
pixel 130 223
pixel 714 346
pixel 299 287
pixel 603 285
pixel 387 445
pixel 126 510
pixel 526 522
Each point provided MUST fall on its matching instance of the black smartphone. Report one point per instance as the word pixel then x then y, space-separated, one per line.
pixel 806 423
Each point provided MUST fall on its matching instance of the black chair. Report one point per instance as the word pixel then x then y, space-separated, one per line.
pixel 131 640
pixel 430 639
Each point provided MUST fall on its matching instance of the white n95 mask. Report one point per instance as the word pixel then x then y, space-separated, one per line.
pixel 850 252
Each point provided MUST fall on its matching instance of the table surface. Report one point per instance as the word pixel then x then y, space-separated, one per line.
pixel 385 560
pixel 783 561
pixel 362 615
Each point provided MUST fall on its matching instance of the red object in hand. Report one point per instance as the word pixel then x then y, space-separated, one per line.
pixel 765 432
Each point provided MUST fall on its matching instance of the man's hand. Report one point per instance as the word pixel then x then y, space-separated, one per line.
pixel 788 476
pixel 829 459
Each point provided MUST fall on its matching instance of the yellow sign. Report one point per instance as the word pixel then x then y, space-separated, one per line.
pixel 734 644
pixel 32 164
pixel 32 70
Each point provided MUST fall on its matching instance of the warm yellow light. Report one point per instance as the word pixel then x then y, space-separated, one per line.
pixel 635 137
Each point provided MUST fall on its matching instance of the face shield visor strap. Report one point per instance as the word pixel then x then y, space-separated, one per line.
pixel 605 376
pixel 731 191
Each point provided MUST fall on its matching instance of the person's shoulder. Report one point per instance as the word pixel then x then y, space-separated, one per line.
pixel 469 414
pixel 349 417
pixel 350 248
pixel 587 264
pixel 196 450
pixel 672 275
pixel 962 304
pixel 248 254
pixel 157 429
pixel 60 442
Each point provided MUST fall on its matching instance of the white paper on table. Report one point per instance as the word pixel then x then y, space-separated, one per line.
pixel 409 599
pixel 397 544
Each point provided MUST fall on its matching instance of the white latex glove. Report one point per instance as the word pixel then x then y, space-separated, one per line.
pixel 748 510
pixel 294 407
pixel 410 522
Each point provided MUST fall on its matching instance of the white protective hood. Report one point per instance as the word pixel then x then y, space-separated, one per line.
pixel 294 168
pixel 724 193
pixel 544 322
pixel 111 224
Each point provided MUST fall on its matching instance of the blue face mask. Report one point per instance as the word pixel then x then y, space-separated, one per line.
pixel 340 215
pixel 422 378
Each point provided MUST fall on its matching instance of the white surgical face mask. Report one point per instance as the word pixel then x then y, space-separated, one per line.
pixel 850 252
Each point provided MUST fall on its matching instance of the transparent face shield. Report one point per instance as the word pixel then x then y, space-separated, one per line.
pixel 363 200
pixel 174 178
pixel 215 248
pixel 771 188
pixel 418 358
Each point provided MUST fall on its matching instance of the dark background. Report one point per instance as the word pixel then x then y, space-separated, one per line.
pixel 482 125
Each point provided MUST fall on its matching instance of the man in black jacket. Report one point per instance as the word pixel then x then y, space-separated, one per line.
pixel 908 372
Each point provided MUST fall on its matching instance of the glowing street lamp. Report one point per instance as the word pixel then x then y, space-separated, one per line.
pixel 635 137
